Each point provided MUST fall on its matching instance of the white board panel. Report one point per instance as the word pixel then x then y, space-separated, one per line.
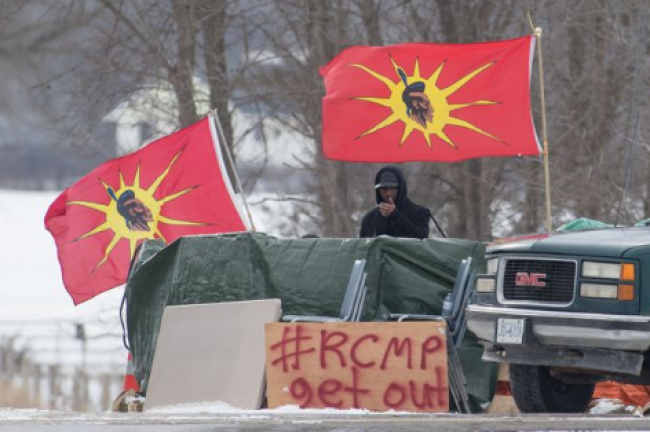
pixel 211 352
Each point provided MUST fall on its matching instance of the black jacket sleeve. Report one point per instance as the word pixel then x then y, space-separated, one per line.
pixel 365 230
pixel 415 227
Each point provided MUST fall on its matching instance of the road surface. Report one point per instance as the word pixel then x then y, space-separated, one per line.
pixel 28 421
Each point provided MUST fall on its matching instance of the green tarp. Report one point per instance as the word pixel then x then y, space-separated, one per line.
pixel 309 276
pixel 583 224
pixel 644 222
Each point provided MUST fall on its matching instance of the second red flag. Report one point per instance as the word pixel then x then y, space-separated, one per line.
pixel 429 102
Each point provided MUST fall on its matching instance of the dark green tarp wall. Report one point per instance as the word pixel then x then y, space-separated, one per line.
pixel 309 276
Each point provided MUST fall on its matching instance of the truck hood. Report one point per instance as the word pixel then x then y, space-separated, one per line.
pixel 612 242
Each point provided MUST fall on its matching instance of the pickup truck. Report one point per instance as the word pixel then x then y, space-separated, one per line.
pixel 565 312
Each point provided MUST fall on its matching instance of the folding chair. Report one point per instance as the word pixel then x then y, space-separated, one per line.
pixel 456 326
pixel 356 316
pixel 352 305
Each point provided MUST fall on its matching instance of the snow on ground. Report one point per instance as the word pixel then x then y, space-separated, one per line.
pixel 611 406
pixel 219 408
pixel 22 414
pixel 224 408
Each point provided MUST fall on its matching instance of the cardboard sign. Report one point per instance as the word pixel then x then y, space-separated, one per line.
pixel 376 366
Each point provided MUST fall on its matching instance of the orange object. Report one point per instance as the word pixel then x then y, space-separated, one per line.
pixel 503 389
pixel 627 272
pixel 626 292
pixel 502 402
pixel 627 393
pixel 130 382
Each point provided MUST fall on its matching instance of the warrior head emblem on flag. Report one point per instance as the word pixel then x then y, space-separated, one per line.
pixel 136 215
pixel 418 105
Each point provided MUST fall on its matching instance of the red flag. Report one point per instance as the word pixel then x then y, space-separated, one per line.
pixel 429 102
pixel 172 187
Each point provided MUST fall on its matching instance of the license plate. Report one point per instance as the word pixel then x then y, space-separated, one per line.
pixel 510 330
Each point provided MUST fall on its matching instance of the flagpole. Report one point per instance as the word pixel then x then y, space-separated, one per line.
pixel 226 149
pixel 547 179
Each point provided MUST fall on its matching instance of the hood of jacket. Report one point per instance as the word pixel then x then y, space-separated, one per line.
pixel 402 189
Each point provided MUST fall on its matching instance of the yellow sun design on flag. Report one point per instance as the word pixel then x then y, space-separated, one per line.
pixel 429 111
pixel 141 200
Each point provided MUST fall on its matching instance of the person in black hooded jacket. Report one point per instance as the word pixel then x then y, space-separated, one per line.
pixel 395 214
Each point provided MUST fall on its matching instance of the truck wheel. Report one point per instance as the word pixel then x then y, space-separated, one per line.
pixel 536 391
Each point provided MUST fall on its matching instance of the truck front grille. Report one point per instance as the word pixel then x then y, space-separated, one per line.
pixel 544 281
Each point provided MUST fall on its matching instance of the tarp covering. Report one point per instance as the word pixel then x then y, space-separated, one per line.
pixel 628 394
pixel 309 276
pixel 583 224
pixel 644 222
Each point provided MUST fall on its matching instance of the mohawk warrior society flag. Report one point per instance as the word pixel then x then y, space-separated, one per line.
pixel 429 102
pixel 172 187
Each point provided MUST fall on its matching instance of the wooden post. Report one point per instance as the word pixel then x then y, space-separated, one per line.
pixel 105 382
pixel 54 387
pixel 36 384
pixel 547 178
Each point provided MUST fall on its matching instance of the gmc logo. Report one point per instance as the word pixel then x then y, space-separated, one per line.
pixel 530 279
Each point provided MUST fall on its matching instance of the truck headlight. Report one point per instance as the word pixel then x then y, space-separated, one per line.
pixel 624 271
pixel 599 291
pixel 622 292
pixel 492 265
pixel 485 285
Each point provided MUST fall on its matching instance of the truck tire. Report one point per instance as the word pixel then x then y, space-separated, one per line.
pixel 536 391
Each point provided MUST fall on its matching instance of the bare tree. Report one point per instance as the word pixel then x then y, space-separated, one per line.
pixel 306 35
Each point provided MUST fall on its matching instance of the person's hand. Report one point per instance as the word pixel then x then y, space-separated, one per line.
pixel 387 208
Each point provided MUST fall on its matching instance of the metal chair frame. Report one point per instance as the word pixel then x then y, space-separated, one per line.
pixel 352 306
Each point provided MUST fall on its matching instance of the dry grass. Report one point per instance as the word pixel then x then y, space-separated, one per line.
pixel 16 395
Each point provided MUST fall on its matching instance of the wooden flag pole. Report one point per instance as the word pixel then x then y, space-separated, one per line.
pixel 231 162
pixel 547 179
